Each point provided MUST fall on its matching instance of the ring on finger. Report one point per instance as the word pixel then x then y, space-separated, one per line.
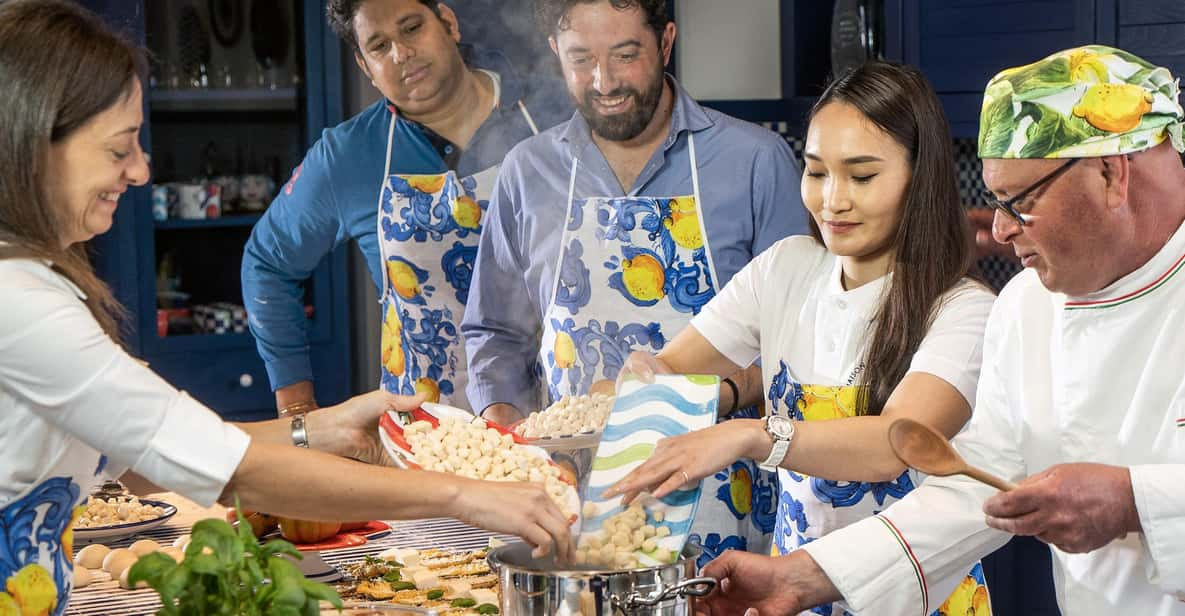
pixel 686 478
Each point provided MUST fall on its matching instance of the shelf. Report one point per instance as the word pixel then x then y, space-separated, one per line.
pixel 246 99
pixel 232 220
pixel 204 342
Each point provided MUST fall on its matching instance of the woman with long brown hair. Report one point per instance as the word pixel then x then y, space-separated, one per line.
pixel 872 319
pixel 74 406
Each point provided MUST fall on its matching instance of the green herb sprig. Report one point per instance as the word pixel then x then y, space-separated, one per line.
pixel 236 577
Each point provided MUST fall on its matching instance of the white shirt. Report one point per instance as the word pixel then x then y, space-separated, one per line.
pixel 789 307
pixel 66 387
pixel 1090 379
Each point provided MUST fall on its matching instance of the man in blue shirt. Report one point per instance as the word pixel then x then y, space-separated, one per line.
pixel 409 179
pixel 606 234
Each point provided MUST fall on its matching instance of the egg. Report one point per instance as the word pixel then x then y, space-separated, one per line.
pixel 91 557
pixel 118 561
pixel 82 577
pixel 144 546
pixel 175 553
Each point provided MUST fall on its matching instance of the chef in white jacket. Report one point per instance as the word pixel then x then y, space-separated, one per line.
pixel 1082 395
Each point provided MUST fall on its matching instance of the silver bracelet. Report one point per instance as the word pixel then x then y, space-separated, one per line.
pixel 300 437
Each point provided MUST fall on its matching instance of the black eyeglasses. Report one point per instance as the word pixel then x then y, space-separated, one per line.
pixel 1009 206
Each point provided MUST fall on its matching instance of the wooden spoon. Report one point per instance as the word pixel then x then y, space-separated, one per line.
pixel 921 447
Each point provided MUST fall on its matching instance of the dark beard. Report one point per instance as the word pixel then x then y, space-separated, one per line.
pixel 626 126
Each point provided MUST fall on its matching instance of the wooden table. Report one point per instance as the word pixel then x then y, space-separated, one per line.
pixel 108 599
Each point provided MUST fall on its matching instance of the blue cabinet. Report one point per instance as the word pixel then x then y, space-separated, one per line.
pixel 1151 29
pixel 961 44
pixel 225 371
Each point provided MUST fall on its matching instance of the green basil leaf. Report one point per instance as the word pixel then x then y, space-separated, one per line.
pixel 435 594
pixel 151 568
pixel 463 602
pixel 393 576
pixel 321 592
pixel 403 585
pixel 204 563
pixel 487 608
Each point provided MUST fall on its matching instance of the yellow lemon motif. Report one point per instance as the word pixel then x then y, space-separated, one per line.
pixel 430 184
pixel 8 606
pixel 467 212
pixel 33 589
pixel 683 223
pixel 565 350
pixel 429 388
pixel 392 346
pixel 1087 66
pixel 1114 107
pixel 740 489
pixel 403 278
pixel 643 277
pixel 68 534
pixel 822 403
pixel 970 598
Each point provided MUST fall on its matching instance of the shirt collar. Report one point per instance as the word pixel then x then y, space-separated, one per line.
pixel 687 115
pixel 1165 264
pixel 864 299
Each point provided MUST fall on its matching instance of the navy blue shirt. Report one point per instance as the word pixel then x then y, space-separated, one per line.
pixel 333 196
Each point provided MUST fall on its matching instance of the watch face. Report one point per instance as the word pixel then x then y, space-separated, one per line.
pixel 781 427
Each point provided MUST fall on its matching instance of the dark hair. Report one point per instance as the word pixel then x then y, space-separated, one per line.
pixel 932 253
pixel 552 15
pixel 60 66
pixel 341 17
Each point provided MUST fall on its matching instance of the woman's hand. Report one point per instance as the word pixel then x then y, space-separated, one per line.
pixel 350 429
pixel 681 460
pixel 516 508
pixel 643 366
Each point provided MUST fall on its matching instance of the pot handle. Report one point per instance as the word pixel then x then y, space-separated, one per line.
pixel 694 587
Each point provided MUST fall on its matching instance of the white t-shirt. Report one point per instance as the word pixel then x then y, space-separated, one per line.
pixel 788 307
pixel 68 393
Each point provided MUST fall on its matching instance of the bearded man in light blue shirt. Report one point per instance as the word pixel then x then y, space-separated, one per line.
pixel 607 233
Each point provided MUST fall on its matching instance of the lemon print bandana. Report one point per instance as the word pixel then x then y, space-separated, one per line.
pixel 1078 103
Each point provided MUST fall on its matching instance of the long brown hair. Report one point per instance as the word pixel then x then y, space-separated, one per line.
pixel 60 66
pixel 931 250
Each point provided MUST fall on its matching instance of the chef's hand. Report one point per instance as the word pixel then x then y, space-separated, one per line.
pixel 502 414
pixel 682 460
pixel 643 366
pixel 350 429
pixel 757 585
pixel 1077 507
pixel 516 508
pixel 980 220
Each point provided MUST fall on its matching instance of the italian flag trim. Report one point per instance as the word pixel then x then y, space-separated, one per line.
pixel 1134 295
pixel 913 560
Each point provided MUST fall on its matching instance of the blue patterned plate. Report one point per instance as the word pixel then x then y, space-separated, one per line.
pixel 642 414
pixel 119 531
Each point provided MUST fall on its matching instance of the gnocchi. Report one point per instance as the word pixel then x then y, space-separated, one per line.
pixel 116 510
pixel 473 450
pixel 620 537
pixel 569 415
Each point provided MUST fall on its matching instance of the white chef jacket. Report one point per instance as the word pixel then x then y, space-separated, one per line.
pixel 66 387
pixel 1099 379
pixel 789 307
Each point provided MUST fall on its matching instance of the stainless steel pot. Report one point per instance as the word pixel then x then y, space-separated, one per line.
pixel 533 587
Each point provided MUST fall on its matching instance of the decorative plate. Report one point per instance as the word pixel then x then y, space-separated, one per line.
pixel 119 531
pixel 391 435
pixel 348 538
pixel 642 414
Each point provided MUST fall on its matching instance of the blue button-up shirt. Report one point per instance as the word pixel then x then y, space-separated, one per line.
pixel 749 184
pixel 334 197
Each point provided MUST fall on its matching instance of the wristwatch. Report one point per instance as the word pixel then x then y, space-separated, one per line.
pixel 781 430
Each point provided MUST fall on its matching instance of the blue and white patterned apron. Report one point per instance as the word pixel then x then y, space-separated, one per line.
pixel 37 537
pixel 428 231
pixel 633 271
pixel 809 507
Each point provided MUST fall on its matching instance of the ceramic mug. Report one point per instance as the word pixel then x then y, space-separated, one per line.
pixel 164 201
pixel 198 201
pixel 230 190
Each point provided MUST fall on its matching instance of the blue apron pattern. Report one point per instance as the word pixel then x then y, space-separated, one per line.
pixel 810 507
pixel 647 259
pixel 429 227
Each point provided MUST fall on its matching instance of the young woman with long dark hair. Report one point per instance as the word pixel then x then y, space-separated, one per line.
pixel 872 319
